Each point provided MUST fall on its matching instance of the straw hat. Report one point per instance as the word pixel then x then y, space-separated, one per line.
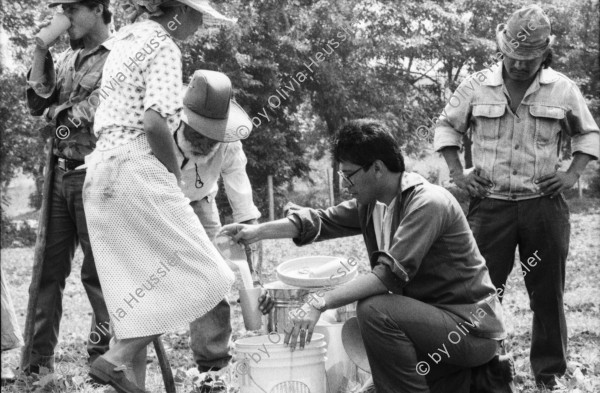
pixel 526 35
pixel 209 109
pixel 210 16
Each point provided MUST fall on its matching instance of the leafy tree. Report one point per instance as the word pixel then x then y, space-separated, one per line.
pixel 399 62
pixel 20 142
pixel 251 53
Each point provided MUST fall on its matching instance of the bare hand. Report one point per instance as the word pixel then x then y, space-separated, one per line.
pixel 304 320
pixel 51 112
pixel 242 233
pixel 473 181
pixel 265 302
pixel 556 183
pixel 45 23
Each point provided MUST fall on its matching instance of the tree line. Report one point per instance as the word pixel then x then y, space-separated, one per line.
pixel 300 68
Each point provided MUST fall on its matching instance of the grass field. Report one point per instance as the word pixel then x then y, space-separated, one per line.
pixel 581 303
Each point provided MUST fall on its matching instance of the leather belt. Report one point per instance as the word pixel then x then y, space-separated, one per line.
pixel 68 165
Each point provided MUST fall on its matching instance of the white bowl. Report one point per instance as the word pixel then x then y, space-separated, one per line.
pixel 316 271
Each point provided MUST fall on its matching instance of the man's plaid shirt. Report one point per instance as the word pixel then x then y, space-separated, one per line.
pixel 73 85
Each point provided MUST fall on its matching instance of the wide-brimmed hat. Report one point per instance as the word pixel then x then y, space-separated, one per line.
pixel 526 35
pixel 210 16
pixel 209 109
pixel 55 3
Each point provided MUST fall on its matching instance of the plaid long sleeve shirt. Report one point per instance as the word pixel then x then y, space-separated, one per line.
pixel 73 85
pixel 514 149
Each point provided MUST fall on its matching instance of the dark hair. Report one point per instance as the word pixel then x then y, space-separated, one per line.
pixel 548 60
pixel 545 64
pixel 106 14
pixel 364 141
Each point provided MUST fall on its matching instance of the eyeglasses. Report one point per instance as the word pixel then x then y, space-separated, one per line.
pixel 347 177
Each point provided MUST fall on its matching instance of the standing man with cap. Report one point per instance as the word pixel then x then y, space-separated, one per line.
pixel 518 112
pixel 65 93
pixel 209 147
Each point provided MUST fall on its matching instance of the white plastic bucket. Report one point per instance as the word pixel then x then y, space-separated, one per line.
pixel 340 370
pixel 265 365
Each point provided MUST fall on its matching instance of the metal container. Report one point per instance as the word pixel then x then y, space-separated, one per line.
pixel 286 298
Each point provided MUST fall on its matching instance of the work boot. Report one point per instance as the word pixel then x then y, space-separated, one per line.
pixel 495 376
pixel 212 383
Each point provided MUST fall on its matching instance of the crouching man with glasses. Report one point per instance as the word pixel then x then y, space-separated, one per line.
pixel 428 314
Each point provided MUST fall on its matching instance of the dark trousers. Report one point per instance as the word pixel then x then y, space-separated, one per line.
pixel 540 228
pixel 209 338
pixel 67 228
pixel 210 334
pixel 411 347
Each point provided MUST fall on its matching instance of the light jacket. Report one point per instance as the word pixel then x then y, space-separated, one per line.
pixel 515 149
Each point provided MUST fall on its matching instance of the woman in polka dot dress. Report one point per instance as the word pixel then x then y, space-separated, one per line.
pixel 157 267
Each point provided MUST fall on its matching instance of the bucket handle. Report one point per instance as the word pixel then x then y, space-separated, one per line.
pixel 249 375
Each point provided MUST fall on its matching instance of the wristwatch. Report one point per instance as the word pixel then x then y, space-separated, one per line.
pixel 318 303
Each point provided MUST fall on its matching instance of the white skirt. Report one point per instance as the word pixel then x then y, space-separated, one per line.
pixel 157 267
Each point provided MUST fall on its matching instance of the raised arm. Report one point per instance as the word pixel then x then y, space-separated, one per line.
pixel 42 82
pixel 247 234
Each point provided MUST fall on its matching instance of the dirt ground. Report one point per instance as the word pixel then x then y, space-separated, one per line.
pixel 581 302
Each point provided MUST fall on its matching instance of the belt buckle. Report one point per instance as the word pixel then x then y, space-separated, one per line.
pixel 62 164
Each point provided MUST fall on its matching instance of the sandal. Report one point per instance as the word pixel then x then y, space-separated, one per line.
pixel 106 373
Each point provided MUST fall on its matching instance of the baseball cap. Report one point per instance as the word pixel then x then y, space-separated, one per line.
pixel 55 3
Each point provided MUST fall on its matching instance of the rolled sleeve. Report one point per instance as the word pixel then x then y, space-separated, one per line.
pixel 237 184
pixel 383 271
pixel 318 225
pixel 306 220
pixel 446 136
pixel 454 120
pixel 585 135
pixel 588 143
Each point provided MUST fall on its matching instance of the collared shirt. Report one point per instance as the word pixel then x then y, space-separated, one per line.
pixel 514 149
pixel 382 220
pixel 201 173
pixel 73 86
pixel 432 255
pixel 142 72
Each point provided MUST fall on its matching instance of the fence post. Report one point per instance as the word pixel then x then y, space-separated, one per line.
pixel 271 199
pixel 330 186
